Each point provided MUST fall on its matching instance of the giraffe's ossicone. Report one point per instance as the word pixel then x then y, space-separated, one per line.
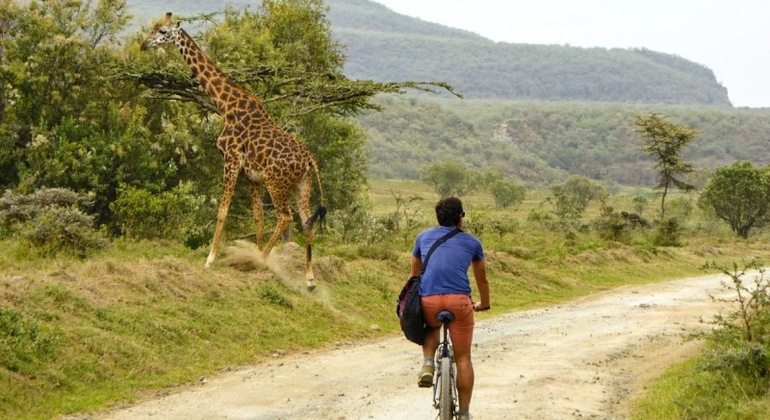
pixel 253 145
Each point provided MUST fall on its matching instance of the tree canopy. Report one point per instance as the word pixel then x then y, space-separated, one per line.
pixel 739 194
pixel 664 141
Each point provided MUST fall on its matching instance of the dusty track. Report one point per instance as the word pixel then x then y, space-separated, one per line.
pixel 588 358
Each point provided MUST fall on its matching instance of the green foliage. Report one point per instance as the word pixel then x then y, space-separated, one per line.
pixel 448 179
pixel 541 143
pixel 403 217
pixel 53 220
pixel 176 214
pixel 23 343
pixel 640 203
pixel 52 63
pixel 739 194
pixel 612 225
pixel 571 199
pixel 507 193
pixel 339 146
pixel 668 232
pixel 751 321
pixel 356 224
pixel 664 141
pixel 275 297
pixel 70 125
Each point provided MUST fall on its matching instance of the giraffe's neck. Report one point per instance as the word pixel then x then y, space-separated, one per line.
pixel 220 88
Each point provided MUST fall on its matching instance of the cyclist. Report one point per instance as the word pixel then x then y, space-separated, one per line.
pixel 445 286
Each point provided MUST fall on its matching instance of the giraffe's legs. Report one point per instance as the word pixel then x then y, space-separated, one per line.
pixel 283 214
pixel 224 207
pixel 303 192
pixel 257 211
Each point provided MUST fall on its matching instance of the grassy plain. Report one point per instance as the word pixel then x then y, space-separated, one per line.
pixel 142 318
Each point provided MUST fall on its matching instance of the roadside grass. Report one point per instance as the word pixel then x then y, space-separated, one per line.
pixel 730 377
pixel 141 319
pixel 688 391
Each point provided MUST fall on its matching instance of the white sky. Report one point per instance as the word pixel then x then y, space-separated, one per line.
pixel 731 37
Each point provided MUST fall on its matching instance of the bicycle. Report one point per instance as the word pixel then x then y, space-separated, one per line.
pixel 445 385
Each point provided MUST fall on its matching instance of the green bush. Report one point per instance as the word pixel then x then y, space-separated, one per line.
pixel 668 232
pixel 176 214
pixel 53 220
pixel 612 225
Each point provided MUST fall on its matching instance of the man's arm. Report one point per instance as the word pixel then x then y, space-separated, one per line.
pixel 480 274
pixel 416 266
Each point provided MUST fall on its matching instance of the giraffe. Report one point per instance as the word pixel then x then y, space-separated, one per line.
pixel 252 144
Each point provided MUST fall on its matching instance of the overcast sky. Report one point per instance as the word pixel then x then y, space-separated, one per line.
pixel 731 37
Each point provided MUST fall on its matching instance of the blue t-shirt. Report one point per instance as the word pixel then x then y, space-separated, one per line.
pixel 447 271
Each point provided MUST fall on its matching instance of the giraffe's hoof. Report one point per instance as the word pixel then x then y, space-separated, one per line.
pixel 310 286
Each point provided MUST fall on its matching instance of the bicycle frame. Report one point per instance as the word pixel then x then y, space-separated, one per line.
pixel 444 385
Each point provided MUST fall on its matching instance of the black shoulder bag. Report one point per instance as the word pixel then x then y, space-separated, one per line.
pixel 408 305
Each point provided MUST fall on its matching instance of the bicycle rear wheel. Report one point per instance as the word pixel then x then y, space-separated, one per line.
pixel 445 403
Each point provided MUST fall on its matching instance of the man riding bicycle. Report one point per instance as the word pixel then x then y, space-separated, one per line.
pixel 445 286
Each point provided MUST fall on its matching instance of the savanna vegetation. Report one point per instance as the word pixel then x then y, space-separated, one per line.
pixel 540 143
pixel 111 178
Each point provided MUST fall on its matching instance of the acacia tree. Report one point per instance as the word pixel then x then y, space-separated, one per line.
pixel 448 178
pixel 664 141
pixel 739 194
pixel 571 199
pixel 507 193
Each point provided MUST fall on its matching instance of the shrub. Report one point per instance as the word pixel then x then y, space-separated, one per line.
pixel 611 224
pixel 54 220
pixel 176 214
pixel 356 224
pixel 668 232
pixel 508 194
pixel 751 322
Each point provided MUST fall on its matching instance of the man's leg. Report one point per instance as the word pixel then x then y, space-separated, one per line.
pixel 425 378
pixel 465 376
pixel 461 331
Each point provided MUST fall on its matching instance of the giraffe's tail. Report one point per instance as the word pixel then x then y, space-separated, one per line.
pixel 320 213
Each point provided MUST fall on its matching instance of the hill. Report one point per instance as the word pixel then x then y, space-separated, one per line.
pixel 383 45
pixel 541 143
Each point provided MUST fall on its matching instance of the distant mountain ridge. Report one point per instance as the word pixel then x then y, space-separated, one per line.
pixel 383 45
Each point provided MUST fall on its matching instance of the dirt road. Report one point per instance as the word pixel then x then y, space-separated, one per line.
pixel 584 359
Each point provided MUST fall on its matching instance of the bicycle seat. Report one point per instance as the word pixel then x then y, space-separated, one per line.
pixel 445 317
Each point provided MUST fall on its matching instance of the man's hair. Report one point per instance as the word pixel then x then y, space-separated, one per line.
pixel 448 211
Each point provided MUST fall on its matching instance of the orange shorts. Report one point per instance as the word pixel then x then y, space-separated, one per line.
pixel 461 329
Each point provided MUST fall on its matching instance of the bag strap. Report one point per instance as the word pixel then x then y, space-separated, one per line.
pixel 438 242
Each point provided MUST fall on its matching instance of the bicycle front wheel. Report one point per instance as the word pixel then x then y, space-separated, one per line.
pixel 445 404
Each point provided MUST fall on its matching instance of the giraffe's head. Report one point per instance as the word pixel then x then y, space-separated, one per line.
pixel 165 32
